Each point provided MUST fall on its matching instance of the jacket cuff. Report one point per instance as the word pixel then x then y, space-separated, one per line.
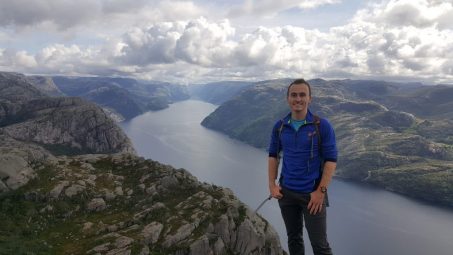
pixel 273 155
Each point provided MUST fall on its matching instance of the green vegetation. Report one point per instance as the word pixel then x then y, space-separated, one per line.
pixel 31 222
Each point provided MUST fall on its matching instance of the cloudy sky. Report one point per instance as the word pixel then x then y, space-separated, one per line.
pixel 210 40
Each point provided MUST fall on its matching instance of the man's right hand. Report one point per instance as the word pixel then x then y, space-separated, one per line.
pixel 276 191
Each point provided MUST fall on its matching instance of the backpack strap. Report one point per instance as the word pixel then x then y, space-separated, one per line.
pixel 321 167
pixel 318 133
pixel 280 129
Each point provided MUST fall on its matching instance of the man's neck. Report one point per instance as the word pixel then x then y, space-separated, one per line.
pixel 299 115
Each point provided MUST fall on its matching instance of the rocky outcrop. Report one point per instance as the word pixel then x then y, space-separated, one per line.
pixel 34 128
pixel 15 88
pixel 67 125
pixel 161 210
pixel 46 85
pixel 16 160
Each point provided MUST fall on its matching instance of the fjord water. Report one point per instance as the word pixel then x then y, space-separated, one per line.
pixel 361 220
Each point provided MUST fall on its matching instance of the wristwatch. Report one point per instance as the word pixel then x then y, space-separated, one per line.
pixel 323 189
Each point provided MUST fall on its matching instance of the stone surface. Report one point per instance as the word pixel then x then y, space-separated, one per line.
pixel 15 171
pixel 96 204
pixel 151 232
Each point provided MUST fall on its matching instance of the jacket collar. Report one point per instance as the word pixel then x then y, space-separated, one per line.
pixel 309 118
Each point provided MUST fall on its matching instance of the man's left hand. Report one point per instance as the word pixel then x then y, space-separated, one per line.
pixel 316 202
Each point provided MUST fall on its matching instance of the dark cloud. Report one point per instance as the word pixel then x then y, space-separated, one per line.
pixel 61 13
pixel 406 15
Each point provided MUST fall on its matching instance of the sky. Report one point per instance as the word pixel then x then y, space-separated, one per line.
pixel 201 41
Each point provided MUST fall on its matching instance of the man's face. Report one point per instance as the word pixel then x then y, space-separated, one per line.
pixel 298 98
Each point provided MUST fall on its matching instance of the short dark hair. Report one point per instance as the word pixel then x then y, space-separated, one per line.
pixel 299 81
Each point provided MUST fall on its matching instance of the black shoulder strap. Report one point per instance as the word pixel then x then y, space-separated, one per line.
pixel 318 132
pixel 321 167
pixel 279 139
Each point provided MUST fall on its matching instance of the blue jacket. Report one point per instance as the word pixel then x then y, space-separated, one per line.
pixel 301 160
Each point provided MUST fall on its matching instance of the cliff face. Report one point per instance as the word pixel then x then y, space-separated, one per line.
pixel 34 127
pixel 71 124
pixel 46 85
pixel 15 88
pixel 122 204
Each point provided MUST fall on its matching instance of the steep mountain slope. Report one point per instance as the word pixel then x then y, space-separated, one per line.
pixel 55 201
pixel 377 144
pixel 218 92
pixel 36 127
pixel 15 88
pixel 121 204
pixel 46 85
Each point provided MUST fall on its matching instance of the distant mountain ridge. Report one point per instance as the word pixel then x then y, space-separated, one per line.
pixel 125 96
pixel 218 92
pixel 403 151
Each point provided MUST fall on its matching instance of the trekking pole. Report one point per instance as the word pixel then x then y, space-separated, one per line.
pixel 262 203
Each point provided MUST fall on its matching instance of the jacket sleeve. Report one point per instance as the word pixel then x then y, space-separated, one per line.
pixel 328 142
pixel 275 146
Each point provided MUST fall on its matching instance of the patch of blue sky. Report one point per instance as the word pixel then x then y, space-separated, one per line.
pixel 322 17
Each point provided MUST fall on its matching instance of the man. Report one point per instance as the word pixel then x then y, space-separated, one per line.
pixel 306 171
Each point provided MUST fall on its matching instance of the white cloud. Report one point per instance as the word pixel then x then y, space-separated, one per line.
pixel 405 39
pixel 197 42
pixel 416 13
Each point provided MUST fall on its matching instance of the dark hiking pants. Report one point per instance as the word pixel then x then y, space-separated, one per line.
pixel 295 212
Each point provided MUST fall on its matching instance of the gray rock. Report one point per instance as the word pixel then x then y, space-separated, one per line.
pixel 55 192
pixel 123 241
pixel 201 246
pixel 112 228
pixel 219 247
pixel 101 248
pixel 87 226
pixel 74 190
pixel 109 195
pixel 15 170
pixel 120 251
pixel 96 204
pixel 119 191
pixel 169 181
pixel 48 208
pixel 248 239
pixel 144 251
pixel 151 190
pixel 182 233
pixel 151 232
pixel 3 187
